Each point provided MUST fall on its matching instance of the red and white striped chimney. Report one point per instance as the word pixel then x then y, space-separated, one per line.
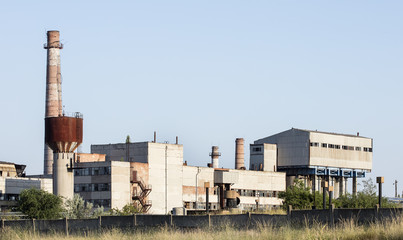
pixel 53 107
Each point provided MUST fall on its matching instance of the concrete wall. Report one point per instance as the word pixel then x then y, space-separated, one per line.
pixel 260 181
pixel 265 155
pixel 292 147
pixel 90 157
pixel 197 176
pixel 165 163
pixel 14 185
pixel 137 152
pixel 119 180
pixel 120 184
pixel 294 218
pixel 351 159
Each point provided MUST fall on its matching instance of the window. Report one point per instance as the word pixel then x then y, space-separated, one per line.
pixel 331 145
pixel 257 149
pixel 314 144
pixel 350 148
pixel 358 148
pixel 337 146
pixel 324 145
pixel 345 147
pixel 367 149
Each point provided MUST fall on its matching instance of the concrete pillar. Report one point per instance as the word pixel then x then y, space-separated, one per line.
pixel 341 186
pixel 63 177
pixel 314 183
pixel 345 186
pixel 336 188
pixel 289 181
pixel 354 185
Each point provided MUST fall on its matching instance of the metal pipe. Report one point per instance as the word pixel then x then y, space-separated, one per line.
pixel 207 200
pixel 197 179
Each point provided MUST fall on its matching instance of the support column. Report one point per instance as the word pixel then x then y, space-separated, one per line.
pixel 289 180
pixel 341 186
pixel 336 192
pixel 355 185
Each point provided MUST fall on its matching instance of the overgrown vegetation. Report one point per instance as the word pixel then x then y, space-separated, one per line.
pixel 392 229
pixel 39 204
pixel 300 197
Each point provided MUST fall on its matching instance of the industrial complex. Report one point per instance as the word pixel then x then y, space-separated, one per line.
pixel 154 177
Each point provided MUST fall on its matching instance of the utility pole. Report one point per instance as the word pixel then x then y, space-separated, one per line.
pixel 207 186
pixel 395 188
pixel 325 185
pixel 380 180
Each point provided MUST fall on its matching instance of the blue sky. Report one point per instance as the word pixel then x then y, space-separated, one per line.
pixel 208 72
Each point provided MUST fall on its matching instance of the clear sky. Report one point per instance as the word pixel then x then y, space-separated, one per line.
pixel 208 72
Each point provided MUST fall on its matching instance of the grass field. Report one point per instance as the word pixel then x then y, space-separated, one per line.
pixel 347 230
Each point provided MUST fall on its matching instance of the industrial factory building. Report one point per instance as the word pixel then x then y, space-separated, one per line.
pixel 315 156
pixel 157 180
pixel 154 177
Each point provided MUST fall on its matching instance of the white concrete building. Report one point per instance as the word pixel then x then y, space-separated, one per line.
pixel 161 181
pixel 315 156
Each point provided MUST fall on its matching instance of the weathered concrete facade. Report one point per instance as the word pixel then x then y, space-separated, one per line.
pixel 103 183
pixel 314 156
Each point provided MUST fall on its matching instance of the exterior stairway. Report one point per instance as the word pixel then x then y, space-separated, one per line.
pixel 141 195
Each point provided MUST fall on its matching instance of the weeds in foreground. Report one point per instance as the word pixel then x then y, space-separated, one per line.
pixel 347 229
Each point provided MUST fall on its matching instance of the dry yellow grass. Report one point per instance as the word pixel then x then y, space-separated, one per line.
pixel 347 230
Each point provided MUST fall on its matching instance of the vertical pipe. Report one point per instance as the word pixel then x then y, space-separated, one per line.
pixel 155 137
pixel 177 140
pixel 239 154
pixel 166 179
pixel 53 106
pixel 207 200
pixel 380 195
pixel 324 197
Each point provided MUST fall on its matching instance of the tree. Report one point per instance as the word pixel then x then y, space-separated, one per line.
pixel 127 209
pixel 77 208
pixel 298 196
pixel 38 204
pixel 367 198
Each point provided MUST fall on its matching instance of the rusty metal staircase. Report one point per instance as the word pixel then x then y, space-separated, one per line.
pixel 142 194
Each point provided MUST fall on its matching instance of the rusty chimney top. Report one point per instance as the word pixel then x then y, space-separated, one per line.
pixel 239 154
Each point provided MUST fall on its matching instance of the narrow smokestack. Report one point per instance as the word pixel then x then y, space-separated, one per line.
pixel 53 107
pixel 239 154
pixel 177 140
pixel 155 137
pixel 214 156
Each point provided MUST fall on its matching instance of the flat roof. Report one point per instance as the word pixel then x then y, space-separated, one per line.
pixel 339 134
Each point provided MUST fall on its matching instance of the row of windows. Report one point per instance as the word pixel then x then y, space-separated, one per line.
pixel 92 171
pixel 255 193
pixel 92 187
pixel 344 147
